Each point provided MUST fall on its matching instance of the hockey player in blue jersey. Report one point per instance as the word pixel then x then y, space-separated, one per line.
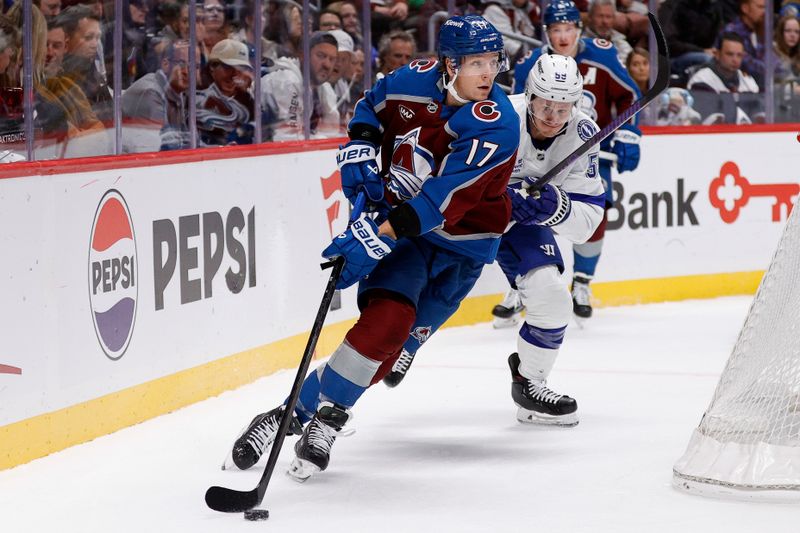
pixel 446 137
pixel 571 206
pixel 606 85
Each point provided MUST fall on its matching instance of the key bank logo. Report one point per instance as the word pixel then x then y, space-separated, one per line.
pixel 730 192
pixel 112 274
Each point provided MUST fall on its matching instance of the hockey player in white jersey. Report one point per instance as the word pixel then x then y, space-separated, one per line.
pixel 571 205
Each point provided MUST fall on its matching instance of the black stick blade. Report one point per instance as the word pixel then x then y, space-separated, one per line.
pixel 231 501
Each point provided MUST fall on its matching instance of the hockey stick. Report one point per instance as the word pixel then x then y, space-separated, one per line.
pixel 661 83
pixel 234 501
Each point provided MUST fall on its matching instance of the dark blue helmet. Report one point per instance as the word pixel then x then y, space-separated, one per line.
pixel 467 35
pixel 561 11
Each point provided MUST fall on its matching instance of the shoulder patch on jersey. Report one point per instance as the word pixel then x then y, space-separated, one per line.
pixel 602 43
pixel 524 58
pixel 422 65
pixel 586 129
pixel 485 111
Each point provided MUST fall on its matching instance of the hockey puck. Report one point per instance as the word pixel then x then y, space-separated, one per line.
pixel 255 515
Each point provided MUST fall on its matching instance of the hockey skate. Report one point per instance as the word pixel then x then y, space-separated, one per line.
pixel 314 447
pixel 507 313
pixel 254 439
pixel 581 297
pixel 537 404
pixel 399 369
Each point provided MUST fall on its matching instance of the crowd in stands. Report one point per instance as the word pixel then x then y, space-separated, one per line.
pixel 718 50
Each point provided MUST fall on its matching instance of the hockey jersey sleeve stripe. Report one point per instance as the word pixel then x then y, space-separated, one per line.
pixel 598 199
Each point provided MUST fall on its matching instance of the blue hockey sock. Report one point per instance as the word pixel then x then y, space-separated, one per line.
pixel 309 396
pixel 586 258
pixel 336 388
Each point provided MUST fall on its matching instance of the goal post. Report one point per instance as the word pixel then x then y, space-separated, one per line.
pixel 747 445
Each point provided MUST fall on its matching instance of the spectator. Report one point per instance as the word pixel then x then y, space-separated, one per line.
pixel 135 43
pixel 225 108
pixel 512 16
pixel 286 28
pixel 49 8
pixel 215 22
pixel 388 15
pixel 601 24
pixel 357 86
pixel 724 76
pixel 269 49
pixel 351 23
pixel 631 20
pixel 79 110
pixel 691 28
pixel 395 50
pixel 157 104
pixel 638 66
pixel 749 25
pixel 329 21
pixel 674 108
pixel 282 94
pixel 341 78
pixel 787 49
pixel 10 44
pixel 53 121
pixel 82 28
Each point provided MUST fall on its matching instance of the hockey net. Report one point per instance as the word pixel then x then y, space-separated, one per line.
pixel 747 445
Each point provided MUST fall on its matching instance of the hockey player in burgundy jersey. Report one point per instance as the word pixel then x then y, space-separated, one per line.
pixel 446 137
pixel 606 84
pixel 571 205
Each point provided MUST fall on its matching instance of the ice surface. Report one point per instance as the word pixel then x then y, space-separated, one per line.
pixel 442 452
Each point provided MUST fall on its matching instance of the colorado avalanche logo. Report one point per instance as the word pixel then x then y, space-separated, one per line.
pixel 602 44
pixel 422 333
pixel 411 161
pixel 112 274
pixel 586 129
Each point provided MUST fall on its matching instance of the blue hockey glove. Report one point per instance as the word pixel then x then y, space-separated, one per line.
pixel 626 148
pixel 358 165
pixel 551 207
pixel 361 249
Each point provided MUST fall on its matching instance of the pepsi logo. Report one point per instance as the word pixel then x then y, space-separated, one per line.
pixel 113 292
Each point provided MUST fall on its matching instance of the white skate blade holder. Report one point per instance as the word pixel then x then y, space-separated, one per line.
pixel 526 416
pixel 300 470
pixel 503 323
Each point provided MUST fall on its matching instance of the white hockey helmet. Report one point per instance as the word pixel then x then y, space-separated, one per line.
pixel 554 77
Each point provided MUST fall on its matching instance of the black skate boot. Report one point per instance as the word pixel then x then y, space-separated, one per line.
pixel 314 447
pixel 255 438
pixel 537 404
pixel 581 297
pixel 507 313
pixel 399 369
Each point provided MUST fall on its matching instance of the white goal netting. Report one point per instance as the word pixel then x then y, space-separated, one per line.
pixel 748 443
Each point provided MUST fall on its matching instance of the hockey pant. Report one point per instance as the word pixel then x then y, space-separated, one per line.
pixel 408 296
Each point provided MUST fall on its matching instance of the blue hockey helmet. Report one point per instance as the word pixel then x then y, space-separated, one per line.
pixel 471 34
pixel 561 11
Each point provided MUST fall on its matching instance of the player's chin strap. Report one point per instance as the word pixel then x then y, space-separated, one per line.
pixel 451 89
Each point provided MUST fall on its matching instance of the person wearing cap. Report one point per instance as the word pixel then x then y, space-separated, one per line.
pixel 282 93
pixel 225 108
pixel 342 76
pixel 156 105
